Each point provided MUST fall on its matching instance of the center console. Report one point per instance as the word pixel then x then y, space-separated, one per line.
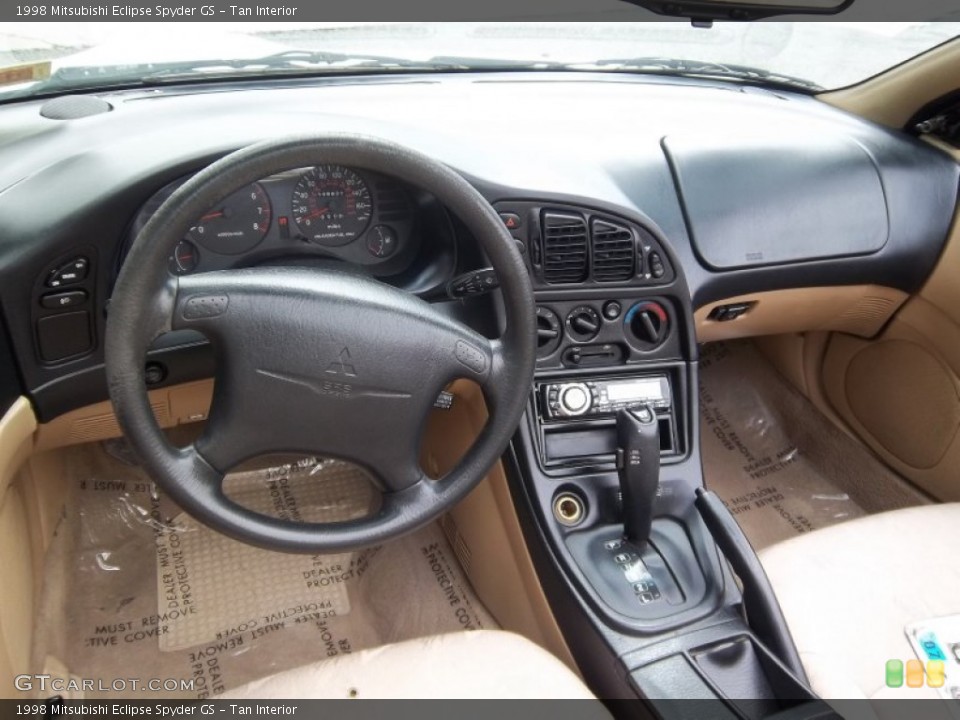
pixel 607 477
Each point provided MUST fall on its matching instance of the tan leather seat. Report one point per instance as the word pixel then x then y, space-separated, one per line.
pixel 476 664
pixel 847 592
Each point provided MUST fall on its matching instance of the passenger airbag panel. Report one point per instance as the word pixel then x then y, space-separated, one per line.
pixel 768 199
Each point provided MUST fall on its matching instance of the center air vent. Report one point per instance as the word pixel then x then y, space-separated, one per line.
pixel 614 252
pixel 564 248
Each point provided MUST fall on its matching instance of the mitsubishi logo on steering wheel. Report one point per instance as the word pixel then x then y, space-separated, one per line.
pixel 343 365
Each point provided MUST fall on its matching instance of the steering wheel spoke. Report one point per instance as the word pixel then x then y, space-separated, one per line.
pixel 496 383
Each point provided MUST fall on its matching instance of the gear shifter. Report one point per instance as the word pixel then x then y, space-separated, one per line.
pixel 638 465
pixel 645 570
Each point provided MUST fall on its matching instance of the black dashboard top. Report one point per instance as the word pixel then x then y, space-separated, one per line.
pixel 672 160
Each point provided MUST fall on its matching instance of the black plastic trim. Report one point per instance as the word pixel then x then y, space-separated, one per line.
pixel 10 387
pixel 183 363
pixel 759 601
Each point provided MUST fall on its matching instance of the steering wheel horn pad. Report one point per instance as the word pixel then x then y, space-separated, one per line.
pixel 317 361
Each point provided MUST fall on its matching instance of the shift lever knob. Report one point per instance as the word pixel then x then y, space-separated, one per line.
pixel 638 465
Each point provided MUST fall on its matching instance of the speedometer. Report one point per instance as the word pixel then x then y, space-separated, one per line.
pixel 331 205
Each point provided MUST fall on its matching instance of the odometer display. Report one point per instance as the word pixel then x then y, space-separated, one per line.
pixel 331 205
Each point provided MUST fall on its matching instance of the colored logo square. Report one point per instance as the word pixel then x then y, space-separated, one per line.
pixel 894 673
pixel 928 641
pixel 914 673
pixel 935 673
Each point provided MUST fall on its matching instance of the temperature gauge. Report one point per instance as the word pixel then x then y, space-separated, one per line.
pixel 185 258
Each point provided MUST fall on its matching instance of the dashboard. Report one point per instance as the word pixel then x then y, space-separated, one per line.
pixel 638 204
pixel 643 201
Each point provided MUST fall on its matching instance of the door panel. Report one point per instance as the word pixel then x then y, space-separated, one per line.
pixel 900 392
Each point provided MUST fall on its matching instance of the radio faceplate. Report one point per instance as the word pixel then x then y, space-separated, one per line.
pixel 603 397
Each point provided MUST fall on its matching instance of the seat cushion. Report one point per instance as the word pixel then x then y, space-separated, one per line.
pixel 847 592
pixel 475 664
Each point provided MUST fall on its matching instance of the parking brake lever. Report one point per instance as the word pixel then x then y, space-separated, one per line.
pixel 638 466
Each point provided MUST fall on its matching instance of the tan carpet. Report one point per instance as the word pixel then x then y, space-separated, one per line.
pixel 779 465
pixel 135 589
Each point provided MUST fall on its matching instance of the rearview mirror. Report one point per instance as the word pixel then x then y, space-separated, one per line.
pixel 708 10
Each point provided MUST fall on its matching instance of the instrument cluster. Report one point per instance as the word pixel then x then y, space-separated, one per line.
pixel 326 211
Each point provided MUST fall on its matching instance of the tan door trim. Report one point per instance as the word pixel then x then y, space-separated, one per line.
pixel 856 309
pixel 16 439
pixel 893 97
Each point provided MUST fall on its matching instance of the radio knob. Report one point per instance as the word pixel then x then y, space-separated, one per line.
pixel 574 399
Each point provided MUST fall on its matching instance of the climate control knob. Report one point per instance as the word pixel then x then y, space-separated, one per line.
pixel 574 399
pixel 549 332
pixel 583 324
pixel 647 325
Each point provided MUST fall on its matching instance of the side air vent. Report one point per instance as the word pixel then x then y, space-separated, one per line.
pixel 564 248
pixel 614 252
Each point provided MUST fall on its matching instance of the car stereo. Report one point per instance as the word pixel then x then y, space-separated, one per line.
pixel 604 396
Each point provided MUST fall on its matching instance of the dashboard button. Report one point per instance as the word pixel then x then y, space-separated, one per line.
pixel 612 310
pixel 54 301
pixel 73 272
pixel 574 399
pixel 656 265
pixel 511 220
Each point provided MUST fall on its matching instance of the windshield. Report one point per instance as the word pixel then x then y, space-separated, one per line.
pixel 52 58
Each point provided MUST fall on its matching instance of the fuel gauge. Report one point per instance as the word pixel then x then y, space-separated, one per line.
pixel 382 241
pixel 185 258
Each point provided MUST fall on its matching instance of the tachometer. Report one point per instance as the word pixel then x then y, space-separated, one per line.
pixel 236 224
pixel 331 205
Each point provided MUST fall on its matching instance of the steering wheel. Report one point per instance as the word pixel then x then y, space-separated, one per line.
pixel 317 361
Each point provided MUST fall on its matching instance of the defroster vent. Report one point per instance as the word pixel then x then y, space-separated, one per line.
pixel 614 251
pixel 564 247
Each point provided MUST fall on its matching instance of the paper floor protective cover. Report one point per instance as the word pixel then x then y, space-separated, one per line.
pixel 135 590
pixel 779 465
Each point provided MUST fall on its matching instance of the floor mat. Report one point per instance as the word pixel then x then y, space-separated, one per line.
pixel 779 465
pixel 138 595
